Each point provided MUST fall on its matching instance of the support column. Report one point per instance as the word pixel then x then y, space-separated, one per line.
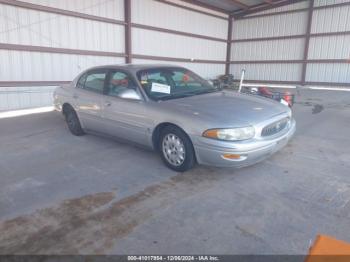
pixel 127 19
pixel 228 48
pixel 307 41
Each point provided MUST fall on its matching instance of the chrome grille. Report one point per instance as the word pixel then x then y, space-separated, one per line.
pixel 275 127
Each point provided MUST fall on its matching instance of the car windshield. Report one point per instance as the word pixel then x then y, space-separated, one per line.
pixel 171 82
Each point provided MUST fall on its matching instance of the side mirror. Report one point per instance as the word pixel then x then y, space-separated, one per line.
pixel 130 94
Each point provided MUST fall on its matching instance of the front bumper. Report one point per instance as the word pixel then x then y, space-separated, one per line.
pixel 210 151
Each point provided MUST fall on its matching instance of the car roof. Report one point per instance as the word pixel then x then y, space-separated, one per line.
pixel 135 67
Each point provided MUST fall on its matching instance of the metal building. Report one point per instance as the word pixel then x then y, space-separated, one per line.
pixel 44 43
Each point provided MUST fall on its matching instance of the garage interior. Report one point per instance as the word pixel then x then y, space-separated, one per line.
pixel 62 194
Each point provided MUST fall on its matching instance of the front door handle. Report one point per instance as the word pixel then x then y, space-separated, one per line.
pixel 108 103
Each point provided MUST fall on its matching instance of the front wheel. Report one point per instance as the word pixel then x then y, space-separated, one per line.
pixel 176 149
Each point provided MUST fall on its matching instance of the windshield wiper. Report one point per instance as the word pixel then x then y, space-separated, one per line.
pixel 187 94
pixel 175 96
pixel 203 92
pixel 209 91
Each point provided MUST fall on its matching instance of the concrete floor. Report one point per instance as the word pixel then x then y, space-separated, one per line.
pixel 66 195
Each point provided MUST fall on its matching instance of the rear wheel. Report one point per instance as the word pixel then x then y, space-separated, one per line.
pixel 73 122
pixel 176 149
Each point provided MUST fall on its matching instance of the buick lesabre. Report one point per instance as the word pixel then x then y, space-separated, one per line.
pixel 177 113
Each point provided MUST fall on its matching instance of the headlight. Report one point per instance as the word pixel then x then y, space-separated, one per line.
pixel 232 134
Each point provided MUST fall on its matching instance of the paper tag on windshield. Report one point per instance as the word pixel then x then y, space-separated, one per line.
pixel 160 88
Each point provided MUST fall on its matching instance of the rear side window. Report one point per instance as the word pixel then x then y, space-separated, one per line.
pixel 93 81
pixel 81 81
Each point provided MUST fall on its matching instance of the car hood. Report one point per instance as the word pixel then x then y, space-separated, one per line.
pixel 229 108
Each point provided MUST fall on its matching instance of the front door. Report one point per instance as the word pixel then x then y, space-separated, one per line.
pixel 125 118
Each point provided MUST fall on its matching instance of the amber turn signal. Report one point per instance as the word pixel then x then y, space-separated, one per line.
pixel 231 156
pixel 211 133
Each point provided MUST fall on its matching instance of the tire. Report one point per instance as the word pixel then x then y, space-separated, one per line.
pixel 73 122
pixel 176 149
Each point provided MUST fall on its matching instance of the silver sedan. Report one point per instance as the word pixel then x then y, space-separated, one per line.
pixel 177 113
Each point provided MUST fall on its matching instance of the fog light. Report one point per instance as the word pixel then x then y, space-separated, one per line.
pixel 234 157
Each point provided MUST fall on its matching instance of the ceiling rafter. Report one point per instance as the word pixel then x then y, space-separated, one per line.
pixel 240 4
pixel 263 7
pixel 243 8
pixel 201 4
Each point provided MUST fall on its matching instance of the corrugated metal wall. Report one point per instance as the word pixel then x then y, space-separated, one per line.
pixel 162 15
pixel 163 32
pixel 268 72
pixel 35 66
pixel 266 26
pixel 286 24
pixel 333 19
pixel 153 43
pixel 331 47
pixel 25 97
pixel 101 8
pixel 295 6
pixel 283 49
pixel 23 26
pixel 329 2
pixel 30 27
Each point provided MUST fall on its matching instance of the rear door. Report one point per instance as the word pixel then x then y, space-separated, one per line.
pixel 125 118
pixel 88 98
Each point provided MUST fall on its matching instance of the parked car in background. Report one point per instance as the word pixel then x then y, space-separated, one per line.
pixel 177 113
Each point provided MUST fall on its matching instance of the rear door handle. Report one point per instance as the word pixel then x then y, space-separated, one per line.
pixel 108 103
pixel 75 96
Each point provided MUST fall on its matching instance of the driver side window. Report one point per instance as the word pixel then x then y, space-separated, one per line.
pixel 119 82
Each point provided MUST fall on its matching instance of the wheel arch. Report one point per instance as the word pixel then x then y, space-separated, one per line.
pixel 157 130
